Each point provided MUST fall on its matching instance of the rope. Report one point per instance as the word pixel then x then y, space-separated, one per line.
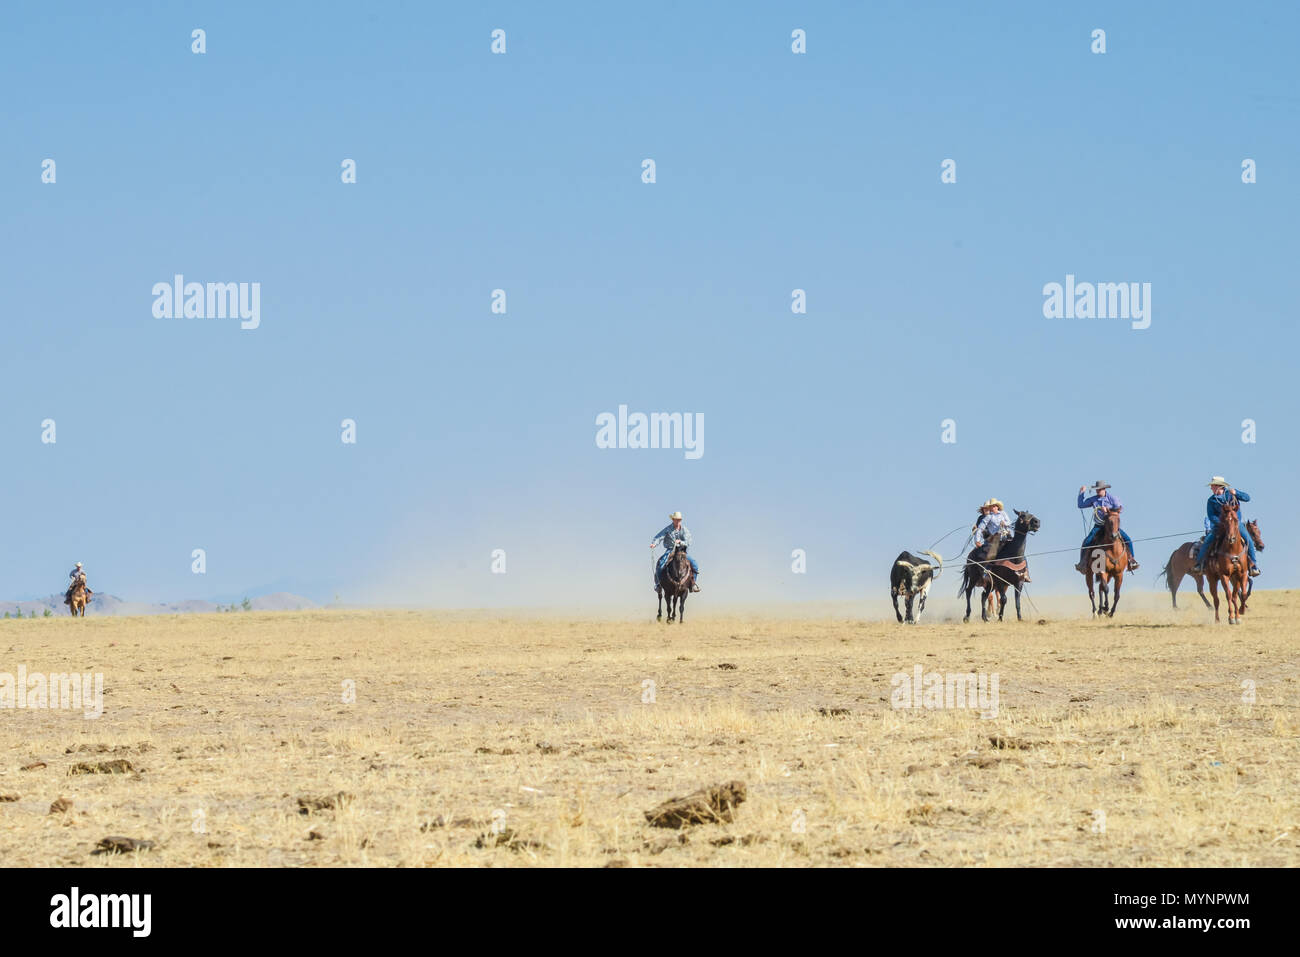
pixel 1075 548
pixel 955 530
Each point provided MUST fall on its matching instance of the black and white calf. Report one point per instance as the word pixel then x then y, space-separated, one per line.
pixel 911 577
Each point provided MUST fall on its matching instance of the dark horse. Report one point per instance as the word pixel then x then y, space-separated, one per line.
pixel 1183 560
pixel 1008 569
pixel 675 581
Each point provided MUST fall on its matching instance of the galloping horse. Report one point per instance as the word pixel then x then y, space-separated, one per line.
pixel 1183 560
pixel 1228 564
pixel 1009 569
pixel 675 581
pixel 1107 559
pixel 79 597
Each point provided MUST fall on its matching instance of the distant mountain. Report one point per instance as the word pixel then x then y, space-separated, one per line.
pixel 110 605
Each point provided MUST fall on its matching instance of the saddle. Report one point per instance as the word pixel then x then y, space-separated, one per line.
pixel 1011 564
pixel 1216 542
pixel 79 580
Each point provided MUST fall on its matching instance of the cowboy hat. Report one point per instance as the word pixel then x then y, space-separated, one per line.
pixel 1101 485
pixel 988 503
pixel 997 502
pixel 78 564
pixel 675 515
pixel 1219 480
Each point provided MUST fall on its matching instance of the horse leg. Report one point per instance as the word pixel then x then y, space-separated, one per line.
pixel 968 591
pixel 1119 580
pixel 659 593
pixel 1002 602
pixel 1018 587
pixel 1091 596
pixel 1200 589
pixel 1214 593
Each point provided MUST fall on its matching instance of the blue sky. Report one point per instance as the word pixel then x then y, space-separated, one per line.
pixel 522 172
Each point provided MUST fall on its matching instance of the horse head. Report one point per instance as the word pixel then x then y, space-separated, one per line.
pixel 1253 528
pixel 1027 522
pixel 1231 525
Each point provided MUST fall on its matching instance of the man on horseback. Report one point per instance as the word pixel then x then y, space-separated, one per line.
pixel 1101 502
pixel 990 531
pixel 672 536
pixel 1221 495
pixel 77 574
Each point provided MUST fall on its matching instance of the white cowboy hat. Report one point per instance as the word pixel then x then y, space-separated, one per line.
pixel 1219 480
pixel 675 515
pixel 78 564
pixel 997 502
pixel 987 502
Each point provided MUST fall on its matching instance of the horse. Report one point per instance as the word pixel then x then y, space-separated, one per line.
pixel 1183 560
pixel 675 581
pixel 997 574
pixel 78 597
pixel 1228 563
pixel 1108 558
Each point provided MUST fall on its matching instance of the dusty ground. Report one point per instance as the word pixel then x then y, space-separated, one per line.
pixel 1124 743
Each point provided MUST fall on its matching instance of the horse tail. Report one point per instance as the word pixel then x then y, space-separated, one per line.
pixel 1169 585
pixel 961 585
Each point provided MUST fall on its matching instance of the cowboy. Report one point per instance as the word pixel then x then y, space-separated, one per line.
pixel 990 531
pixel 1221 495
pixel 672 536
pixel 77 574
pixel 1102 502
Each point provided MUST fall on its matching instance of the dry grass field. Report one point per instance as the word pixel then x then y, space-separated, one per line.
pixel 478 740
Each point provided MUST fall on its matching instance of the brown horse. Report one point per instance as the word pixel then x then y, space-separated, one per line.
pixel 1183 560
pixel 1107 559
pixel 78 598
pixel 675 581
pixel 1228 564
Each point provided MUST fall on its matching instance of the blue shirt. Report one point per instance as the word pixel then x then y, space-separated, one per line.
pixel 671 536
pixel 1215 503
pixel 994 524
pixel 1098 502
